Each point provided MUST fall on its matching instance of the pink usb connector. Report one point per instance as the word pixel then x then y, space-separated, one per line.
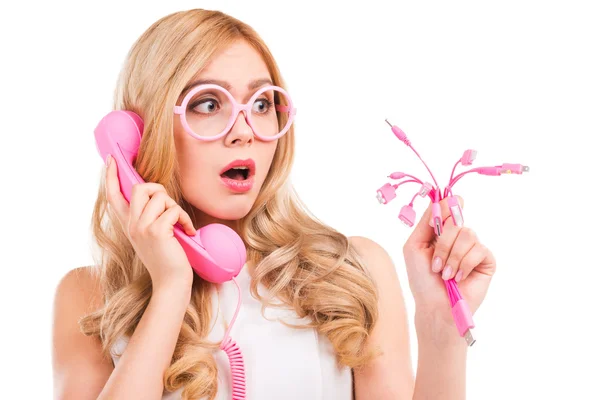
pixel 455 211
pixel 407 215
pixel 468 157
pixel 463 318
pixel 436 215
pixel 386 193
pixel 461 313
pixel 503 169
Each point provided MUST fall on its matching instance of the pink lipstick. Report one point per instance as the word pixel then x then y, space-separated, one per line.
pixel 238 175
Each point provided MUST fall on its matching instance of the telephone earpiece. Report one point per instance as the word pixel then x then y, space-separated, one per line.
pixel 216 253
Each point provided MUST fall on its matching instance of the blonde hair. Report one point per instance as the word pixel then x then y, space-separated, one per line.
pixel 302 262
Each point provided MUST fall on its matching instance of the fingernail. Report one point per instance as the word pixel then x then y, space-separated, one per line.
pixel 108 158
pixel 447 272
pixel 437 264
pixel 458 276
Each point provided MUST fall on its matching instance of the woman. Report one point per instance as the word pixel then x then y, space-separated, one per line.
pixel 142 325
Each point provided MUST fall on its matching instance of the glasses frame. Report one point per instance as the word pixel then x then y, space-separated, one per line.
pixel 237 107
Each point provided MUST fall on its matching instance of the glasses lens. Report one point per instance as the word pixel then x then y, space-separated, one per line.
pixel 270 112
pixel 209 111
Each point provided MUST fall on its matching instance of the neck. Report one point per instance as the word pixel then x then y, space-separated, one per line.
pixel 203 219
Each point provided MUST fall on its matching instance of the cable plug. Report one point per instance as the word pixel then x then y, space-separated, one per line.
pixel 399 133
pixel 491 171
pixel 513 168
pixel 407 215
pixel 436 218
pixel 396 175
pixel 468 157
pixel 464 320
pixel 386 193
pixel 503 169
pixel 455 210
pixel 426 188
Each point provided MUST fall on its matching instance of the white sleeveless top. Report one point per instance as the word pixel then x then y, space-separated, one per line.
pixel 280 362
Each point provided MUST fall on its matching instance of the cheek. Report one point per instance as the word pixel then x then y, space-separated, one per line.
pixel 195 168
pixel 264 160
pixel 201 185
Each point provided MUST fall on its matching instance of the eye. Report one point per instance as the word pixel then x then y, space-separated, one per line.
pixel 206 106
pixel 262 106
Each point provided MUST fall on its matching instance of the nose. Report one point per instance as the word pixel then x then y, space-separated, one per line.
pixel 241 131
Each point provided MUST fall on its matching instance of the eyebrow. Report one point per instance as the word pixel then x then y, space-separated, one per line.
pixel 252 85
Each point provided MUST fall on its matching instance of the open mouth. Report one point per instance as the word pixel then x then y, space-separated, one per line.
pixel 237 173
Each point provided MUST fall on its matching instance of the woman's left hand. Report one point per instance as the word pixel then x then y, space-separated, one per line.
pixel 457 254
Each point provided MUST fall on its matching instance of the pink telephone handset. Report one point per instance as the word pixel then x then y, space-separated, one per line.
pixel 216 253
pixel 386 193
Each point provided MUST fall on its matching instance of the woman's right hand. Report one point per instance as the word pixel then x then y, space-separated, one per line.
pixel 148 223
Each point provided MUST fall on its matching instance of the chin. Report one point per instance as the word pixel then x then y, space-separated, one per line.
pixel 218 202
pixel 230 207
pixel 233 209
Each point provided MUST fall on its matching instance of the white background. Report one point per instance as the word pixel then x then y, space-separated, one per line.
pixel 516 80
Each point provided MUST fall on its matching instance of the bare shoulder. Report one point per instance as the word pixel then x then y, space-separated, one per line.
pixel 82 286
pixel 390 374
pixel 365 245
pixel 377 260
pixel 80 369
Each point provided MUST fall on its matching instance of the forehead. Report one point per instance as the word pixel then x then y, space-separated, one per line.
pixel 238 64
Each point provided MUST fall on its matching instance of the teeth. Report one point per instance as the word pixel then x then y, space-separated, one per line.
pixel 240 168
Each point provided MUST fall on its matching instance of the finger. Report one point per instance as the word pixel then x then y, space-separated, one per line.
pixel 115 198
pixel 464 242
pixel 186 223
pixel 424 234
pixel 170 217
pixel 157 205
pixel 140 195
pixel 479 257
pixel 443 246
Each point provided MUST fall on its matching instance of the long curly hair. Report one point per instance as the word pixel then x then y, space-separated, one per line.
pixel 303 263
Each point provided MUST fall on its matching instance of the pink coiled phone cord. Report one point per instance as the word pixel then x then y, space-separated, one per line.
pixel 236 361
